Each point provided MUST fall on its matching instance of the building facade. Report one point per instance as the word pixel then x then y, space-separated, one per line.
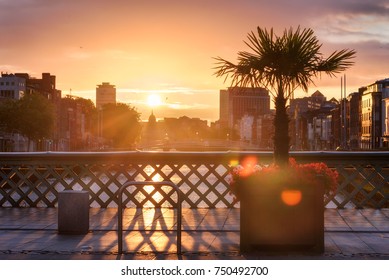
pixel 105 94
pixel 385 136
pixel 320 131
pixel 12 87
pixel 299 128
pixel 354 128
pixel 235 102
pixel 385 114
pixel 247 126
pixel 373 114
pixel 45 86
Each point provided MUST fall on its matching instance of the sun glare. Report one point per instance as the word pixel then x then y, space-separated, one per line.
pixel 154 100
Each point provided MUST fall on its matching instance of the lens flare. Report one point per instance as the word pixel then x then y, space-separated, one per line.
pixel 248 164
pixel 291 197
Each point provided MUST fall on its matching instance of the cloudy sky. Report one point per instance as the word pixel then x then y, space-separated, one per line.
pixel 166 48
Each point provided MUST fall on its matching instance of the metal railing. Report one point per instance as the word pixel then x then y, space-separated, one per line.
pixel 35 179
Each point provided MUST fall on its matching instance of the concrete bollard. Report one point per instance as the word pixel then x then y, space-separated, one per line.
pixel 73 212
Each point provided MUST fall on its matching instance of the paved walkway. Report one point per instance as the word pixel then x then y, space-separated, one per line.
pixel 31 233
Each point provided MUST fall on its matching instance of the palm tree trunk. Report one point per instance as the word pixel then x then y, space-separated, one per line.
pixel 281 132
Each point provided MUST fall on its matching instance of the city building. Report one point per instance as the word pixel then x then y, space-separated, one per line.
pixel 298 108
pixel 15 86
pixel 76 125
pixel 319 130
pixel 153 132
pixel 304 104
pixel 265 131
pixel 385 113
pixel 105 94
pixel 373 112
pixel 257 130
pixel 46 86
pixel 247 126
pixel 385 134
pixel 235 102
pixel 353 123
pixel 11 86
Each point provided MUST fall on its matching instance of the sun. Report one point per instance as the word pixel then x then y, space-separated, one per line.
pixel 154 100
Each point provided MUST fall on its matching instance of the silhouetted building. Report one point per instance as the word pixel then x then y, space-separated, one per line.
pixel 385 114
pixel 12 87
pixel 298 131
pixel 265 131
pixel 105 94
pixel 385 136
pixel 319 131
pixel 76 126
pixel 313 102
pixel 235 102
pixel 151 131
pixel 46 86
pixel 257 130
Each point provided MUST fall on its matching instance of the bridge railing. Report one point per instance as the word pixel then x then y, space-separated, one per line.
pixel 35 179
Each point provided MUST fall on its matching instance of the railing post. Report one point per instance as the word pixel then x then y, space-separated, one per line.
pixel 73 212
pixel 141 185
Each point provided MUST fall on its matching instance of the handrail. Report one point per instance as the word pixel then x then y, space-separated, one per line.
pixel 177 154
pixel 140 185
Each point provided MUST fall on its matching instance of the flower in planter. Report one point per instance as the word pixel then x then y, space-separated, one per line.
pixel 295 174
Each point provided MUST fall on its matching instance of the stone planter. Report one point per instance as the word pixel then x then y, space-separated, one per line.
pixel 281 218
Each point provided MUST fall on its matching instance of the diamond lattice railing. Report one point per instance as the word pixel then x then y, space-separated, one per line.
pixel 34 180
pixel 363 186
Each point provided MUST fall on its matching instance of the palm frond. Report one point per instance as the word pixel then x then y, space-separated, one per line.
pixel 337 62
pixel 283 63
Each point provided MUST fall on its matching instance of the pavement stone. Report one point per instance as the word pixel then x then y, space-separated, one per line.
pixel 31 233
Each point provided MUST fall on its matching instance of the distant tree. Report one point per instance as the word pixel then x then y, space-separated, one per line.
pixel 32 116
pixel 91 115
pixel 121 125
pixel 282 64
pixel 90 111
pixel 78 116
pixel 7 120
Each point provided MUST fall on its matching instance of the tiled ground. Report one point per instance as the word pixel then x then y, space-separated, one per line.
pixel 213 233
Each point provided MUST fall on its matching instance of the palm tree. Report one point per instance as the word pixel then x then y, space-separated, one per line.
pixel 282 64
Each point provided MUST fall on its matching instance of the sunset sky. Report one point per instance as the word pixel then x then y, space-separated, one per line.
pixel 166 48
